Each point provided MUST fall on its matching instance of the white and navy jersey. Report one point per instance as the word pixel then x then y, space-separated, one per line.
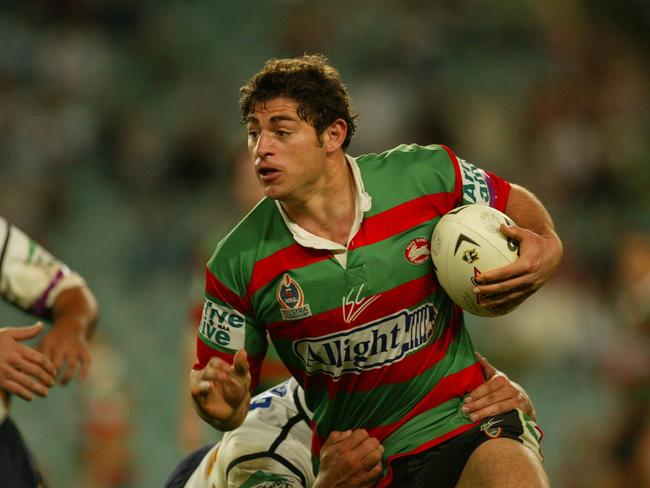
pixel 272 448
pixel 30 277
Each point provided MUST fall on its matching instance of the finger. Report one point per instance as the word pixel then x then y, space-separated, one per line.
pixel 85 364
pixel 506 301
pixel 370 452
pixel 490 287
pixel 344 434
pixel 492 410
pixel 240 363
pixel 198 385
pixel 498 394
pixel 18 389
pixel 480 391
pixel 356 437
pixel 240 369
pixel 58 357
pixel 367 477
pixel 234 391
pixel 38 358
pixel 35 370
pixel 513 231
pixel 503 273
pixel 202 388
pixel 71 362
pixel 216 370
pixel 23 333
pixel 28 382
pixel 336 436
pixel 488 370
pixel 375 472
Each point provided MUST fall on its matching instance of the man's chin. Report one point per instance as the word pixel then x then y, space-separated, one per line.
pixel 273 193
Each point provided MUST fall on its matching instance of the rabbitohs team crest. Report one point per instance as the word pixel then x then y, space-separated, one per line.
pixel 418 251
pixel 292 299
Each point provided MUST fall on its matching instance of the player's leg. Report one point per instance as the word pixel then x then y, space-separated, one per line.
pixel 183 472
pixel 17 466
pixel 503 463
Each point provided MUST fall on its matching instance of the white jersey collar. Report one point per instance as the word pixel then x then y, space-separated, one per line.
pixel 363 203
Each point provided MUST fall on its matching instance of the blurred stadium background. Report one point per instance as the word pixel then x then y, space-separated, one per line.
pixel 118 132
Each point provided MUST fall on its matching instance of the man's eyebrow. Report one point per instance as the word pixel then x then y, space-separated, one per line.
pixel 251 119
pixel 283 118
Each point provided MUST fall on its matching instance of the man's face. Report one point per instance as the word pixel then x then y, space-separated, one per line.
pixel 289 158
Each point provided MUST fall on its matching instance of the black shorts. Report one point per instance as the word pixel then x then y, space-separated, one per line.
pixel 442 465
pixel 17 466
pixel 186 467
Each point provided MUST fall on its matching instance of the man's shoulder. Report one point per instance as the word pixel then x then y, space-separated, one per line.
pixel 257 236
pixel 250 230
pixel 421 170
pixel 405 153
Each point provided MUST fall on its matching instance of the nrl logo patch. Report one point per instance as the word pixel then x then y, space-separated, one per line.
pixel 418 251
pixel 292 299
pixel 470 256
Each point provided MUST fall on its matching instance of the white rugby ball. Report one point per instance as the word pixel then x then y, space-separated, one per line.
pixel 465 243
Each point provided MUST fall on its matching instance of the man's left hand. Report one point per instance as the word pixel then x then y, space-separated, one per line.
pixel 506 287
pixel 67 347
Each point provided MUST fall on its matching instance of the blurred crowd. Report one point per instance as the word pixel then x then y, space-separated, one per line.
pixel 119 136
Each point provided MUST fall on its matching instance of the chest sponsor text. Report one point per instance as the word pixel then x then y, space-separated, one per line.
pixel 368 346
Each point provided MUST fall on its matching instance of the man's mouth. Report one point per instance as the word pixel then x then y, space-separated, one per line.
pixel 268 173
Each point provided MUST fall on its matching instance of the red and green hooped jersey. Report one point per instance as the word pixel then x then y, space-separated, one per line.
pixel 377 344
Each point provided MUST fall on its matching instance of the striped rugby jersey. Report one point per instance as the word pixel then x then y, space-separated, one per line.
pixel 376 344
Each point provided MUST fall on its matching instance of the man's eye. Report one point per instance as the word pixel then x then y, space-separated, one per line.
pixel 282 132
pixel 252 134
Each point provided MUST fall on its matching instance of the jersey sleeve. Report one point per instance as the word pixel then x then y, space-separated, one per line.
pixel 263 473
pixel 30 277
pixel 227 325
pixel 475 185
pixel 245 461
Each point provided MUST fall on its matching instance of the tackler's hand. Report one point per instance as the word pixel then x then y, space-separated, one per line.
pixel 68 348
pixel 350 459
pixel 23 370
pixel 499 394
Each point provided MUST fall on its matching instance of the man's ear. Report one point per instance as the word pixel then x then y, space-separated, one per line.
pixel 334 135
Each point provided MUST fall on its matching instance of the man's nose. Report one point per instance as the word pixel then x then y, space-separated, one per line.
pixel 264 145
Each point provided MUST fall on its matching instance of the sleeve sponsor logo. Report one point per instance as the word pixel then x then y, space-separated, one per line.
pixel 368 346
pixel 222 326
pixel 475 184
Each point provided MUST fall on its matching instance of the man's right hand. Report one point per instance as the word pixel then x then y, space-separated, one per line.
pixel 23 370
pixel 350 459
pixel 221 391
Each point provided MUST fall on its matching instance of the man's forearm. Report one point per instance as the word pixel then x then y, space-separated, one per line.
pixel 528 212
pixel 76 307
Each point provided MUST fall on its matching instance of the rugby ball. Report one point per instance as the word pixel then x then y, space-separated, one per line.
pixel 465 243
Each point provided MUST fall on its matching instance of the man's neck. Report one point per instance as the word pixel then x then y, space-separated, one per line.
pixel 329 211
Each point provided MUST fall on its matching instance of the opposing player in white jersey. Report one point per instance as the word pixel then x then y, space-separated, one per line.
pixel 36 282
pixel 272 448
